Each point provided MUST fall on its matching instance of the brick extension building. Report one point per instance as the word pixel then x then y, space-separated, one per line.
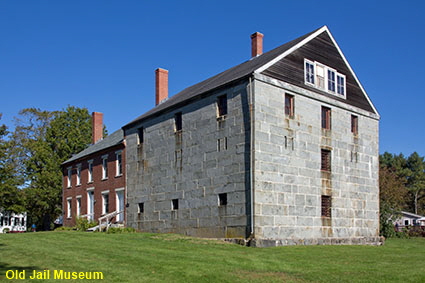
pixel 94 179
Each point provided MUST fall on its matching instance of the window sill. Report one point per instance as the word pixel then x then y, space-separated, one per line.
pixel 178 132
pixel 91 182
pixel 104 179
pixel 78 185
pixel 117 176
pixel 221 118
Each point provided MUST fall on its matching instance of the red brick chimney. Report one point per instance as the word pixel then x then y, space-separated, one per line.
pixel 161 85
pixel 97 126
pixel 256 44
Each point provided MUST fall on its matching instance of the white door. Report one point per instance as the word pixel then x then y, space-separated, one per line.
pixel 120 205
pixel 90 205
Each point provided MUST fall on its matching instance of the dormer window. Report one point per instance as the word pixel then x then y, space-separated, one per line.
pixel 324 78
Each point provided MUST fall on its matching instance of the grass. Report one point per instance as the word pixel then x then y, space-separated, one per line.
pixel 141 257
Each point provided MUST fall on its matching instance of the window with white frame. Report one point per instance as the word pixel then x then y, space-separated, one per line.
pixel 78 174
pixel 68 177
pixel 105 202
pixel 90 171
pixel 104 167
pixel 309 72
pixel 78 212
pixel 340 84
pixel 118 163
pixel 320 76
pixel 325 78
pixel 69 207
pixel 331 80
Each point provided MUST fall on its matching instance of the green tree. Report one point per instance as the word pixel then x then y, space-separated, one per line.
pixel 392 199
pixel 11 197
pixel 45 140
pixel 416 178
pixel 412 171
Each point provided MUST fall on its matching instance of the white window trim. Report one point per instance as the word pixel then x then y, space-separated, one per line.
pixel 78 174
pixel 78 205
pixel 344 85
pixel 317 64
pixel 104 172
pixel 118 152
pixel 90 174
pixel 305 72
pixel 89 190
pixel 326 77
pixel 69 207
pixel 103 201
pixel 68 177
pixel 117 202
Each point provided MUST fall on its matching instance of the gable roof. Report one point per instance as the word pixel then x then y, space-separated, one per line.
pixel 412 215
pixel 323 33
pixel 230 75
pixel 113 139
pixel 254 65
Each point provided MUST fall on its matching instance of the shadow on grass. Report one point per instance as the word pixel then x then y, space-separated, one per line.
pixel 4 267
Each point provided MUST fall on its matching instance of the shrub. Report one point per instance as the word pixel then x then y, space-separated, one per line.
pixel 416 231
pixel 6 230
pixel 387 228
pixel 82 224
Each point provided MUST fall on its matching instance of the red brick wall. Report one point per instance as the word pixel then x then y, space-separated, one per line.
pixel 110 184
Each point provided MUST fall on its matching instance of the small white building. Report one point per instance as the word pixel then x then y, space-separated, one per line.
pixel 14 223
pixel 410 219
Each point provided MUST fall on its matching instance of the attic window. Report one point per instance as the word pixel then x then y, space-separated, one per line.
pixel 324 78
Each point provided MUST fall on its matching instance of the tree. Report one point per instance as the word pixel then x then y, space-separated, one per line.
pixel 416 178
pixel 45 140
pixel 11 197
pixel 412 171
pixel 392 199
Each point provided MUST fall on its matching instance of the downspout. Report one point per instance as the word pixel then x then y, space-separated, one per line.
pixel 252 157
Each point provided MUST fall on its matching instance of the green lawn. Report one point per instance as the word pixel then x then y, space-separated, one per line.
pixel 140 257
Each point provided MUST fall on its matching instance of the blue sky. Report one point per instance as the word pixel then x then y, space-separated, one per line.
pixel 102 54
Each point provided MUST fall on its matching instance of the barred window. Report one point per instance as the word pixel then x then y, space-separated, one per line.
pixel 289 105
pixel 326 160
pixel 326 118
pixel 326 206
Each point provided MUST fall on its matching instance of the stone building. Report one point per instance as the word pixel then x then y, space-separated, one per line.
pixel 281 149
pixel 94 179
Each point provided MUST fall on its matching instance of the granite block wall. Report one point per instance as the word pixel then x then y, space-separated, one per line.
pixel 191 169
pixel 289 182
